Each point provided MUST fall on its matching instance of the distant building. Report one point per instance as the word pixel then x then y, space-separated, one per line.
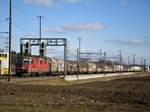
pixel 4 57
pixel 4 63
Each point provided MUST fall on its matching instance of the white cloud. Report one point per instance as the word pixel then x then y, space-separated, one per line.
pixel 53 29
pixel 72 1
pixel 86 2
pixel 86 26
pixel 56 2
pixel 76 27
pixel 133 41
pixel 40 2
pixel 124 3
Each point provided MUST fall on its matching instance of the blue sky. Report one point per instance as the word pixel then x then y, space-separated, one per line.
pixel 110 25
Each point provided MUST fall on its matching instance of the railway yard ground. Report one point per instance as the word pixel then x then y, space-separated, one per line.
pixel 127 93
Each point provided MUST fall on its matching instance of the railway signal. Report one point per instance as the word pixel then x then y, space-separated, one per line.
pixel 27 49
pixel 42 50
pixel 10 36
pixel 27 45
pixel 43 43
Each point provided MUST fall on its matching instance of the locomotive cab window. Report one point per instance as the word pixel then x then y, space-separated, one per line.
pixel 27 61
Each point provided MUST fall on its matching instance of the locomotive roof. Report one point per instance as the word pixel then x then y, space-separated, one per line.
pixel 33 56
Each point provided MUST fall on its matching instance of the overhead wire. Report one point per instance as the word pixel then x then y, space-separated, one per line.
pixel 3 21
pixel 21 12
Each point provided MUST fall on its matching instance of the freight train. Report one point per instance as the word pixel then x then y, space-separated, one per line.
pixel 35 65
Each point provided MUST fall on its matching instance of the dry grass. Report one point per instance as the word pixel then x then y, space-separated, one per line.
pixel 130 94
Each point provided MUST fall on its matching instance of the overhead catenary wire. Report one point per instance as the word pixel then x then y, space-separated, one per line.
pixel 4 21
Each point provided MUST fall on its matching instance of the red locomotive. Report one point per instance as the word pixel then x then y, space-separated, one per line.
pixel 33 65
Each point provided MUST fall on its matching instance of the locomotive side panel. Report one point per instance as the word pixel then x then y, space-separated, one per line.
pixel 33 65
pixel 40 65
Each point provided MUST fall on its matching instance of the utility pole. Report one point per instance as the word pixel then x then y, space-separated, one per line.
pixel 10 34
pixel 120 55
pixel 100 55
pixel 40 26
pixel 144 65
pixel 141 61
pixel 65 58
pixel 128 60
pixel 78 56
pixel 77 62
pixel 129 63
pixel 40 30
pixel 104 62
pixel 134 59
pixel 79 47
